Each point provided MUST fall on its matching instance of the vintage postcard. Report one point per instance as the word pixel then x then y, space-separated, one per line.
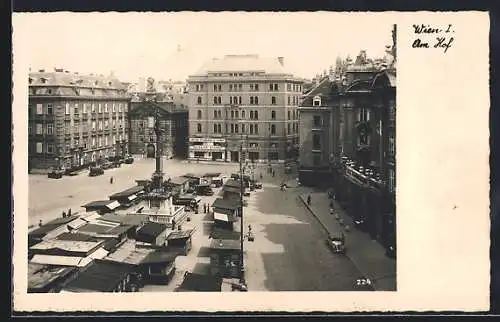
pixel 239 161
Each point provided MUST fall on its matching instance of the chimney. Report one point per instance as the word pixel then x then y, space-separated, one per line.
pixel 282 61
pixel 41 71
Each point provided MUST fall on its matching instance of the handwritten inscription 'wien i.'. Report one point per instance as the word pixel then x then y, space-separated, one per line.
pixel 426 29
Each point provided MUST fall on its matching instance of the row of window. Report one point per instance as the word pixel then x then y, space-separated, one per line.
pixel 364 139
pixel 41 147
pixel 273 87
pixel 253 100
pixel 253 114
pixel 252 128
pixel 48 109
pixel 49 128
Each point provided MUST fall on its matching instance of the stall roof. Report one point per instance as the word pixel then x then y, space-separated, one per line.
pixel 179 180
pixel 110 204
pixel 179 234
pixel 101 276
pixel 200 283
pixel 223 217
pixel 67 245
pixel 60 260
pixel 129 253
pixel 226 244
pixel 51 225
pixel 90 216
pixel 233 183
pixel 152 229
pixel 126 193
pixel 231 189
pixel 218 233
pixel 132 220
pixel 212 174
pixel 119 229
pixel 161 256
pixel 231 204
pixel 39 275
pixel 75 237
pixel 96 228
pixel 192 176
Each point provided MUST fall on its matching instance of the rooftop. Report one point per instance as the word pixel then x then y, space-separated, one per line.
pixel 67 245
pixel 225 244
pixel 151 229
pixel 39 276
pixel 242 63
pixel 51 225
pixel 100 276
pixel 129 253
pixel 230 204
pixel 178 180
pixel 110 204
pixel 200 283
pixel 67 79
pixel 127 192
pixel 75 237
pixel 132 220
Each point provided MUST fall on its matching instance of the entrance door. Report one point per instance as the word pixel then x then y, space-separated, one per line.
pixel 235 156
pixel 150 151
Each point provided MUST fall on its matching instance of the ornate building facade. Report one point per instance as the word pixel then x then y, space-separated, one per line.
pixel 243 99
pixel 74 120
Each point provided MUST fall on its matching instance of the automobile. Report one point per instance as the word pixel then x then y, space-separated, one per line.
pixel 117 163
pixel 336 243
pixel 128 159
pixel 96 171
pixel 258 185
pixel 204 190
pixel 56 173
pixel 246 193
pixel 106 165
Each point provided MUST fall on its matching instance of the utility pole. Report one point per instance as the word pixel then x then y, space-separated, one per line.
pixel 242 267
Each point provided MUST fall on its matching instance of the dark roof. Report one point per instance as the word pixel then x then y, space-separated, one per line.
pixel 200 283
pixel 231 204
pixel 75 237
pixel 51 225
pixel 127 192
pixel 192 176
pixel 226 244
pixel 152 229
pixel 110 243
pixel 93 228
pixel 179 234
pixel 212 174
pixel 232 183
pixel 219 233
pixel 132 220
pixel 231 189
pixel 178 180
pixel 101 276
pixel 97 203
pixel 120 229
pixel 40 276
pixel 324 88
pixel 161 256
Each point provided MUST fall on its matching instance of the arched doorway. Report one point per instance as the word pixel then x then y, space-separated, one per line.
pixel 150 151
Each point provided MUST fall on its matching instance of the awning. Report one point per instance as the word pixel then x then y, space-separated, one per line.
pixel 180 234
pixel 113 205
pixel 132 197
pixel 221 217
pixel 77 223
pixel 59 260
pixel 231 189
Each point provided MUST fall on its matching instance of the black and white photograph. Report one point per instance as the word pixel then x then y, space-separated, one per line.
pixel 212 152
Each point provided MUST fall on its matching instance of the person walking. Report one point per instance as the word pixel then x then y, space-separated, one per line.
pixel 64 214
pixel 69 213
pixel 111 180
pixel 309 200
pixel 40 223
pixel 204 208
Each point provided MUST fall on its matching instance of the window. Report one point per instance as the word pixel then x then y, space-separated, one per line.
pixel 66 109
pixel 256 115
pixel 199 115
pixel 199 128
pixel 275 87
pixel 93 125
pixel 232 114
pixel 251 115
pixel 316 142
pixel 271 87
pixel 226 126
pixel 100 108
pixel 364 115
pixel 239 100
pixel 76 109
pixel 50 148
pixel 106 110
pixel 316 159
pixel 39 129
pixel 30 128
pixel 84 108
pixel 236 114
pixel 288 128
pixel 288 100
pixel 230 87
pixel 392 180
pixel 93 108
pixel 273 115
pixel 256 100
pixel 219 114
pixel 289 115
pixel 317 121
pixel 236 127
pixel 215 99
pixel 273 129
pixel 120 107
pixel 392 145
pixel 219 128
pixel 232 128
pixel 199 100
pixel 50 109
pixel 39 147
pixel 242 128
pixel 50 129
pixel 242 114
pixel 273 100
pixel 215 114
pixel 288 87
pixel 316 101
pixel 251 128
pixel 39 109
pixel 251 100
pixel 256 128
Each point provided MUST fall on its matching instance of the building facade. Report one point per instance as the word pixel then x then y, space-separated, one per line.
pixel 243 100
pixel 348 143
pixel 173 121
pixel 75 120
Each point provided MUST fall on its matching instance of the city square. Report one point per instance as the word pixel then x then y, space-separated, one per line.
pixel 239 175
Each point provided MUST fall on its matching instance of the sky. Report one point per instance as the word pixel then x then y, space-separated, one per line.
pixel 175 45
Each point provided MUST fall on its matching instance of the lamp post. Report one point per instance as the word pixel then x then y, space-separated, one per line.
pixel 242 267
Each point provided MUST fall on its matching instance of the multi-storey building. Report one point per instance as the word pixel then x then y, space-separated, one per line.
pixel 74 120
pixel 348 143
pixel 173 120
pixel 243 99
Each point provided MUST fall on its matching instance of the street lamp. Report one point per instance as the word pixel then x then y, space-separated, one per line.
pixel 242 266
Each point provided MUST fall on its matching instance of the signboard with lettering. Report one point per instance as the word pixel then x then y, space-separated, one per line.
pixel 207 140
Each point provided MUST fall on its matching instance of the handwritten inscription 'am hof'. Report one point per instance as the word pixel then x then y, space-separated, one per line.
pixel 433 37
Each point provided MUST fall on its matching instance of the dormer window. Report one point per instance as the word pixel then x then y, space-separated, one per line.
pixel 96 83
pixel 110 84
pixel 43 80
pixel 317 101
pixel 30 80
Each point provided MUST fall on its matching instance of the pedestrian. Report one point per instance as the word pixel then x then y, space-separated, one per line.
pixel 260 176
pixel 309 200
pixel 111 180
pixel 40 223
pixel 204 208
pixel 64 214
pixel 274 174
pixel 173 224
pixel 69 213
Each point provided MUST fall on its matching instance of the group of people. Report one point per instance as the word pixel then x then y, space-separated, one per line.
pixel 206 208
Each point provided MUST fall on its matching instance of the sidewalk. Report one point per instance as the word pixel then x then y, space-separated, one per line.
pixel 366 254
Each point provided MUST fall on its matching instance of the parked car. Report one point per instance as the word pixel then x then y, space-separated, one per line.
pixel 336 243
pixel 96 171
pixel 257 185
pixel 106 165
pixel 129 159
pixel 204 190
pixel 55 173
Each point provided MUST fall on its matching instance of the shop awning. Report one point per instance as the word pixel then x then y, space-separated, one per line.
pixel 132 197
pixel 180 234
pixel 221 217
pixel 115 204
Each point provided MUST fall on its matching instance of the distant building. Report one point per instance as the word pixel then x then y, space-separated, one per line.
pixel 74 120
pixel 173 120
pixel 243 99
